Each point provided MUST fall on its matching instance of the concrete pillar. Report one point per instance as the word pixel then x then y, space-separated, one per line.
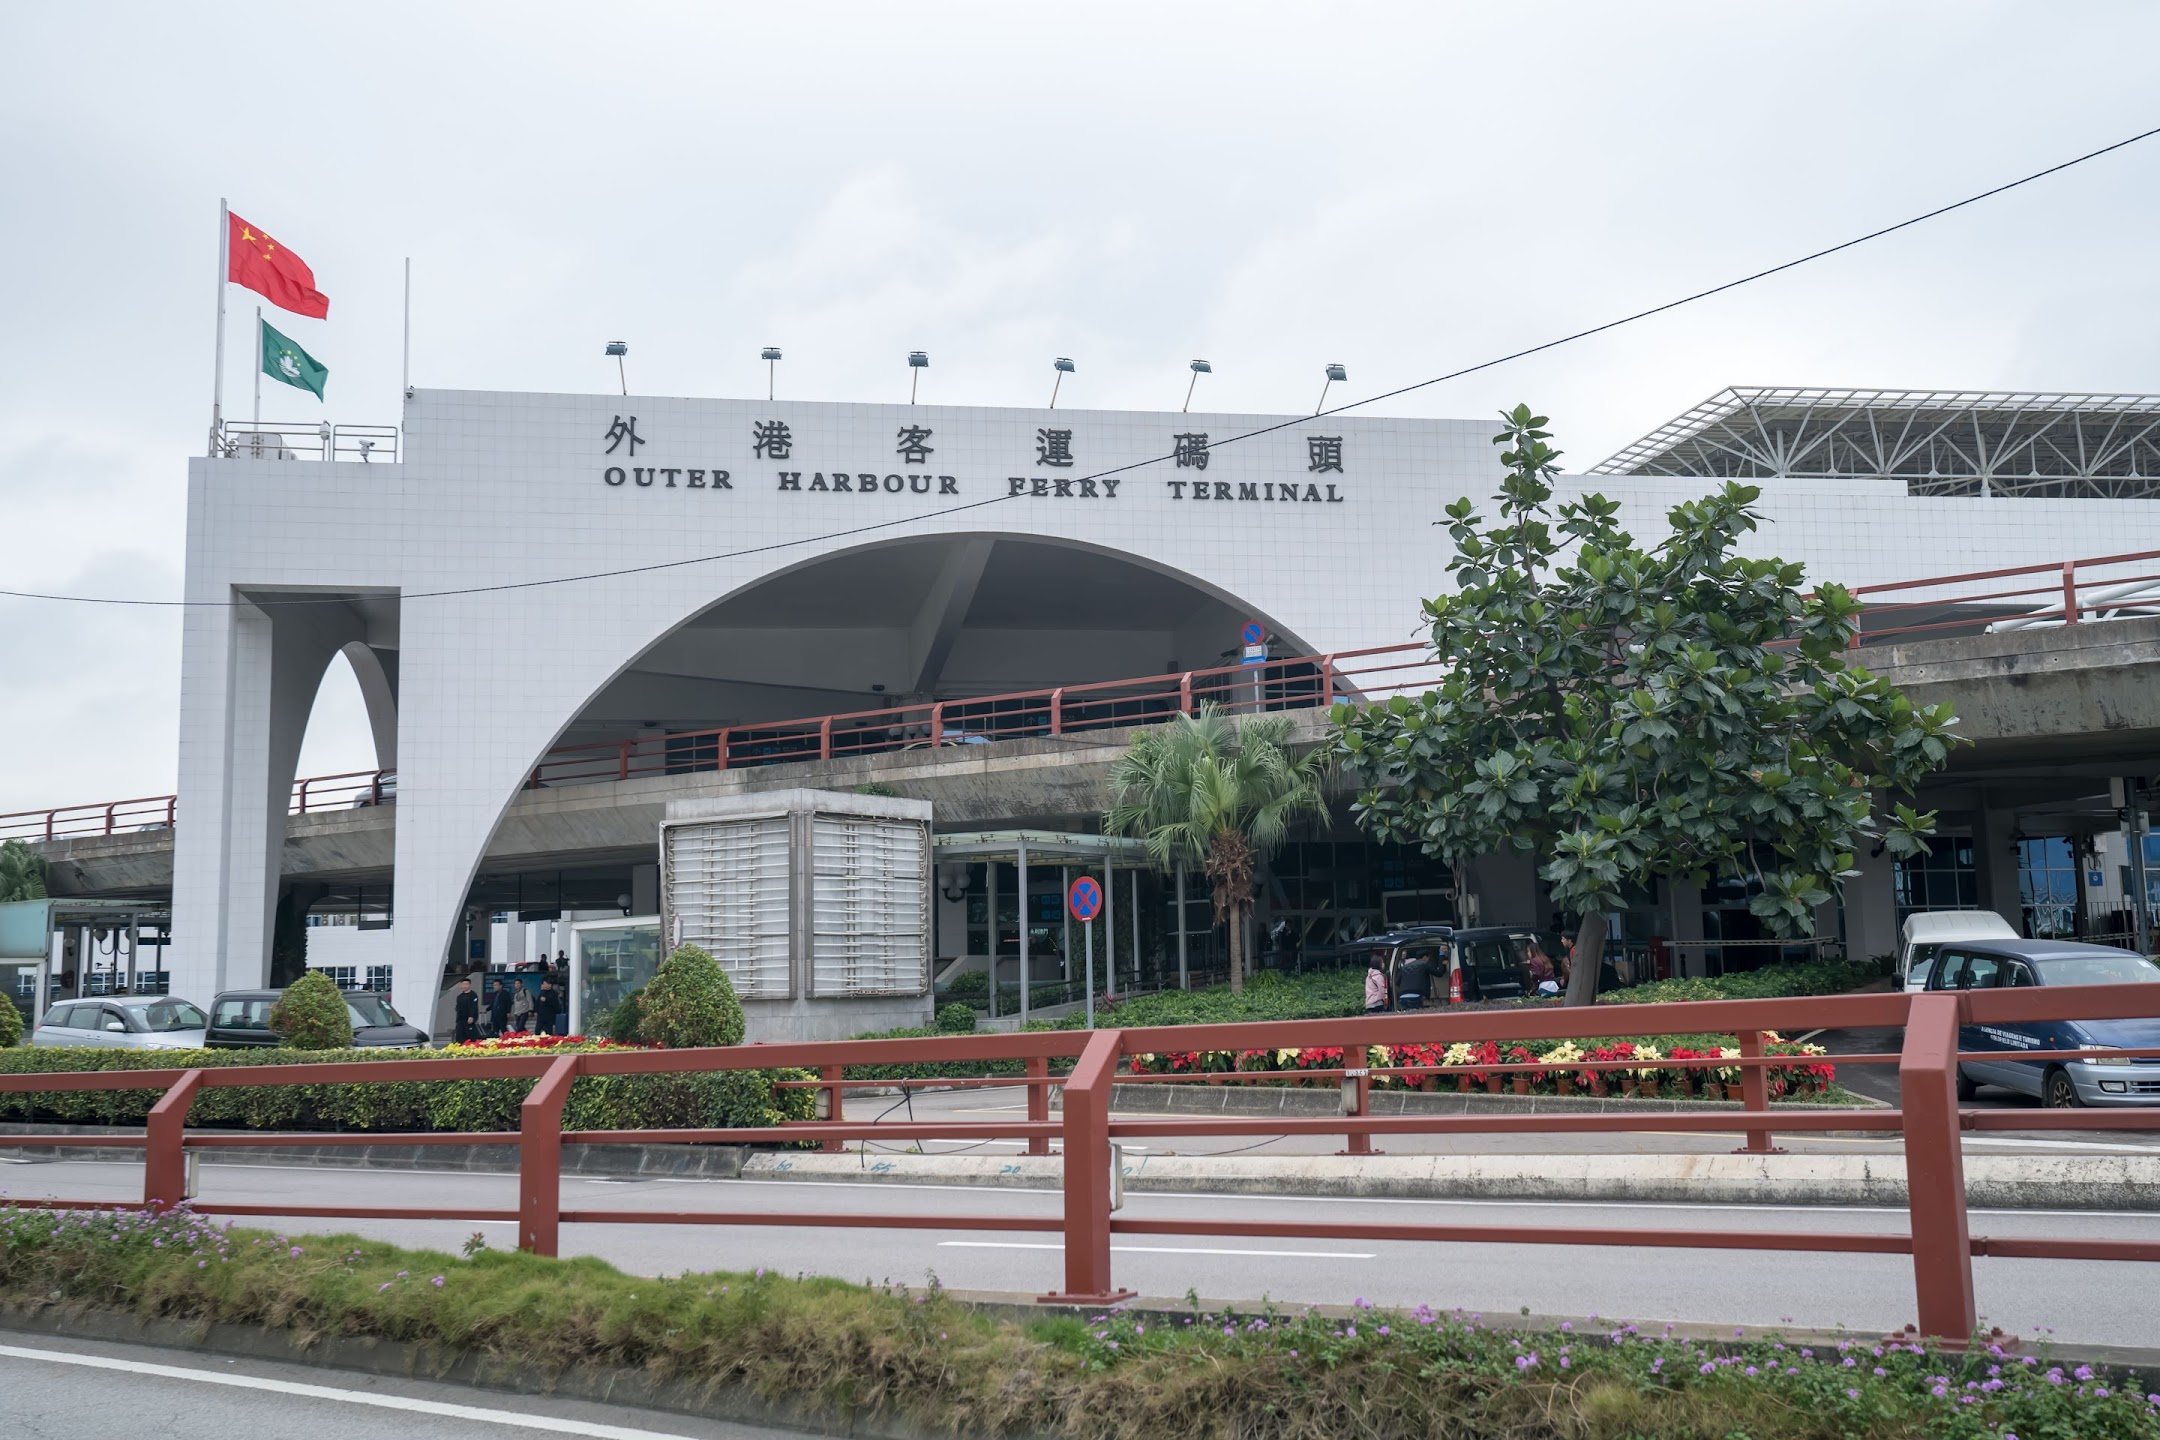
pixel 990 869
pixel 1996 864
pixel 1184 981
pixel 1026 979
pixel 251 674
pixel 1870 907
pixel 1109 891
pixel 1506 887
pixel 1687 926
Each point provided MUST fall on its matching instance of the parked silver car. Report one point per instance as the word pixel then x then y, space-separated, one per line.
pixel 129 1022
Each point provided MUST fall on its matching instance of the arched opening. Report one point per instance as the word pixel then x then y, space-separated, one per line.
pixel 949 618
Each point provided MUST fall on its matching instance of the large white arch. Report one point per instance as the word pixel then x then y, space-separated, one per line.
pixel 415 809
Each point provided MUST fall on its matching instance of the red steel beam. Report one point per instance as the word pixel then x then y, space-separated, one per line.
pixel 1619 1237
pixel 814 1220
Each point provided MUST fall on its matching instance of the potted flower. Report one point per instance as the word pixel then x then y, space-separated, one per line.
pixel 1728 1075
pixel 1523 1055
pixel 1566 1053
pixel 1460 1054
pixel 1646 1079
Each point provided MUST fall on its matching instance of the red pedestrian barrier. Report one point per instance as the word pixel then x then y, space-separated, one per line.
pixel 1929 1120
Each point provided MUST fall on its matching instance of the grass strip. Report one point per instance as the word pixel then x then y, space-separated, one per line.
pixel 845 1348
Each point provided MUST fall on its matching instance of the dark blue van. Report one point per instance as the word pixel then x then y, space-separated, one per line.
pixel 2058 1084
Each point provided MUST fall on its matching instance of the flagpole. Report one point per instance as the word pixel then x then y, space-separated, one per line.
pixel 258 366
pixel 405 375
pixel 217 389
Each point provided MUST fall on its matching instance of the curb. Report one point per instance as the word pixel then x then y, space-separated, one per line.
pixel 1992 1182
pixel 372 1356
pixel 737 1404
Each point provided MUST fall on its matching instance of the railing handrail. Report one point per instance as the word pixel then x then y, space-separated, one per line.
pixel 979 716
pixel 1928 1118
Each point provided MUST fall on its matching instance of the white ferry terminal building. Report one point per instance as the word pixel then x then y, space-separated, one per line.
pixel 513 573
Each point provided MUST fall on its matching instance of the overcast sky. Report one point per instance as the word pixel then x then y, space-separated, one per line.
pixel 1404 189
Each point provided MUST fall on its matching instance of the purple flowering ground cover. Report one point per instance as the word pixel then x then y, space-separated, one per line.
pixel 916 1353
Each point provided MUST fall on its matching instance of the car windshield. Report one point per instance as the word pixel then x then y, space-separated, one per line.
pixel 2098 970
pixel 371 1010
pixel 163 1015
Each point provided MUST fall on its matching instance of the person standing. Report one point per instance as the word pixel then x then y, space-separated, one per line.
pixel 467 1028
pixel 545 1009
pixel 1412 981
pixel 521 1008
pixel 498 1007
pixel 1376 986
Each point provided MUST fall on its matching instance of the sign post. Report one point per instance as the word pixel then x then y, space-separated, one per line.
pixel 1085 901
pixel 1253 640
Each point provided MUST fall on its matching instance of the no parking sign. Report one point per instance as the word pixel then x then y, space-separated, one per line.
pixel 1085 898
pixel 1085 901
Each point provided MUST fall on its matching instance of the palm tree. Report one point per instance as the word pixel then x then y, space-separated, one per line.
pixel 1207 791
pixel 22 872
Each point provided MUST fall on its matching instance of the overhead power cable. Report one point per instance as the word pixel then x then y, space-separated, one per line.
pixel 921 516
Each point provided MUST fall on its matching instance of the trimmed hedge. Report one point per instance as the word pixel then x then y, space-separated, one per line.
pixel 1772 982
pixel 715 1099
pixel 11 1023
pixel 312 1015
pixel 690 1002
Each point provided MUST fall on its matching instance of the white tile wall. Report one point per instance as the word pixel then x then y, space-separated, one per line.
pixel 505 489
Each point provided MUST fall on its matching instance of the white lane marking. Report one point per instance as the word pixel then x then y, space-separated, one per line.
pixel 1158 1250
pixel 548 1423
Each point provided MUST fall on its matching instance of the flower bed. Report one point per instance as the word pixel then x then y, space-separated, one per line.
pixel 1557 1067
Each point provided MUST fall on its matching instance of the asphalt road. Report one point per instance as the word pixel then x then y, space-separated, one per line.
pixel 67 1389
pixel 2085 1301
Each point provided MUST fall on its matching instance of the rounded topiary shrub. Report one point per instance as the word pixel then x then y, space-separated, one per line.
pixel 690 1002
pixel 622 1021
pixel 311 1015
pixel 956 1019
pixel 11 1023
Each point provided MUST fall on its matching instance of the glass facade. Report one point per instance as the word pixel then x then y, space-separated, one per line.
pixel 1943 877
pixel 2049 886
pixel 610 960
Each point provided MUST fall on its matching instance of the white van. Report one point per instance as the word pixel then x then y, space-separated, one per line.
pixel 1927 932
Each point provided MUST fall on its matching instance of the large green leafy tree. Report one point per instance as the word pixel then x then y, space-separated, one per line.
pixel 1626 712
pixel 1209 792
pixel 22 872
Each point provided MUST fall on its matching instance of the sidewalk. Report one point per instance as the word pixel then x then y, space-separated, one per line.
pixel 1992 1182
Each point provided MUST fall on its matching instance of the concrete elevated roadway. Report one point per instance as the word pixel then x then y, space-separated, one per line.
pixel 2053 713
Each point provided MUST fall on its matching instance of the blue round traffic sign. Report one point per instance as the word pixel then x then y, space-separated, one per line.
pixel 1085 898
pixel 1255 632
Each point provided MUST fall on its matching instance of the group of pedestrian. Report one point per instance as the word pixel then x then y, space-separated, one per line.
pixel 516 1010
pixel 1406 990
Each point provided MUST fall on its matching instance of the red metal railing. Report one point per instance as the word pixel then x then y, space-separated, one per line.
pixel 1937 1235
pixel 2057 593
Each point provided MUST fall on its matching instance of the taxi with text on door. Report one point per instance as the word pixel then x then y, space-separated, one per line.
pixel 2057 1084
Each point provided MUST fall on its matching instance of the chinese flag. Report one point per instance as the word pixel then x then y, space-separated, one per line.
pixel 268 268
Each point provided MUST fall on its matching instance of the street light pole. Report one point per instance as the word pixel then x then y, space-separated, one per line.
pixel 1199 368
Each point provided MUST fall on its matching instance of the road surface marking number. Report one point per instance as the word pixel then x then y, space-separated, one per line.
pixel 548 1423
pixel 1158 1250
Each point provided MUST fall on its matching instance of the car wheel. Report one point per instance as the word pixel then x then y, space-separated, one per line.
pixel 2059 1091
pixel 1967 1087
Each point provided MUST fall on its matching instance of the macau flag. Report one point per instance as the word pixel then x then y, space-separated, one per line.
pixel 283 360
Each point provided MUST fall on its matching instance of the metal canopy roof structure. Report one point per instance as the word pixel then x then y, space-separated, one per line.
pixel 1939 442
pixel 1044 847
